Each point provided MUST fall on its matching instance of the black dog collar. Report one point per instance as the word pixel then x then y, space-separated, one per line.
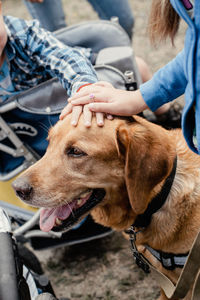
pixel 157 202
pixel 143 220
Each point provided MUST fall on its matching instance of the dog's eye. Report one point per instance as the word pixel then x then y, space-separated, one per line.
pixel 75 152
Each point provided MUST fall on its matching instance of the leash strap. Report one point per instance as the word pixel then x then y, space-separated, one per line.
pixel 190 272
pixel 196 290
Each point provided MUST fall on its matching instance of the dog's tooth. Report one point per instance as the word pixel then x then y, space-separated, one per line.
pixel 84 194
pixel 58 221
pixel 79 201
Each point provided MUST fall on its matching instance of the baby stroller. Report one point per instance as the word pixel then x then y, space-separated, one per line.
pixel 26 117
pixel 24 122
pixel 21 276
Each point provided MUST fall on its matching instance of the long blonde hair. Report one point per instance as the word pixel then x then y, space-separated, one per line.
pixel 163 21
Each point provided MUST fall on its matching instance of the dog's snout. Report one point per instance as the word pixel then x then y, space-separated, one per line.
pixel 22 189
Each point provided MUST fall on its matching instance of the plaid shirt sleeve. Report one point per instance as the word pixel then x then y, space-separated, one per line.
pixel 68 64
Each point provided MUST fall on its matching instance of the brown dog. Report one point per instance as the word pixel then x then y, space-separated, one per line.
pixel 114 172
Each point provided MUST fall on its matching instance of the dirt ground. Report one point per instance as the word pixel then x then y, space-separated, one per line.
pixel 103 269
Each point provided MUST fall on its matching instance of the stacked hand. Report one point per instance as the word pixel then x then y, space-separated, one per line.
pixel 102 98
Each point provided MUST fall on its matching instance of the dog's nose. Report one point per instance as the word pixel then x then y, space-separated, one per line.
pixel 22 189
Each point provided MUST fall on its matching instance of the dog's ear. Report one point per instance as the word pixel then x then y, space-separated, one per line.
pixel 148 158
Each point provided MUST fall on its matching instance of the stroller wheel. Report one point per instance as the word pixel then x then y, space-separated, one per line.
pixel 45 296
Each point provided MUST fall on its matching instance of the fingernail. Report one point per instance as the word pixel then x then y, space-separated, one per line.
pixel 100 123
pixel 91 106
pixel 73 123
pixel 110 117
pixel 87 124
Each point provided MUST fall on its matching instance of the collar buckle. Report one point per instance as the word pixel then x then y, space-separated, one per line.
pixel 138 257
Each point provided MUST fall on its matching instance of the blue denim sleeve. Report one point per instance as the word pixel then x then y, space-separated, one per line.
pixel 167 84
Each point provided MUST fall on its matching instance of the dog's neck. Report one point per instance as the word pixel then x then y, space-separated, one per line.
pixel 117 213
pixel 113 215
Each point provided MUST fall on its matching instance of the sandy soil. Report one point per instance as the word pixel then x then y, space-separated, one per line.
pixel 103 269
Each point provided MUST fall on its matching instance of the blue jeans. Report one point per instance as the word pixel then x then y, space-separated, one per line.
pixel 106 9
pixel 51 15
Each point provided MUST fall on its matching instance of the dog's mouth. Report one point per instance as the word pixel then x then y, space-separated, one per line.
pixel 62 218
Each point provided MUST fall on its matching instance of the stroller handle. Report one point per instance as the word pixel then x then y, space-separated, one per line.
pixel 17 281
pixel 8 272
pixel 5 224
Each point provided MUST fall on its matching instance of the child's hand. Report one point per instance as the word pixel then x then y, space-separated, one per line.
pixel 76 111
pixel 78 96
pixel 102 97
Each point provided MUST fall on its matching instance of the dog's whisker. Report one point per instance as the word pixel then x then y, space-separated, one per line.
pixel 50 122
pixel 70 209
pixel 66 203
pixel 44 126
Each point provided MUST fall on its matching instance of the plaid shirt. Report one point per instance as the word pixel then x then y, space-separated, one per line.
pixel 35 55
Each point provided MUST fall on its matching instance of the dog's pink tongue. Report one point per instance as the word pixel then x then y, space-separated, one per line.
pixel 48 215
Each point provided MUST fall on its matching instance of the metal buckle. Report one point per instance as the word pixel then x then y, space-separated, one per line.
pixel 138 257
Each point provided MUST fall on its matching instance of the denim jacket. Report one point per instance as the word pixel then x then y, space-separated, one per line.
pixel 181 75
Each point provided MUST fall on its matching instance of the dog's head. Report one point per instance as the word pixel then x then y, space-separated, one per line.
pixel 112 172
